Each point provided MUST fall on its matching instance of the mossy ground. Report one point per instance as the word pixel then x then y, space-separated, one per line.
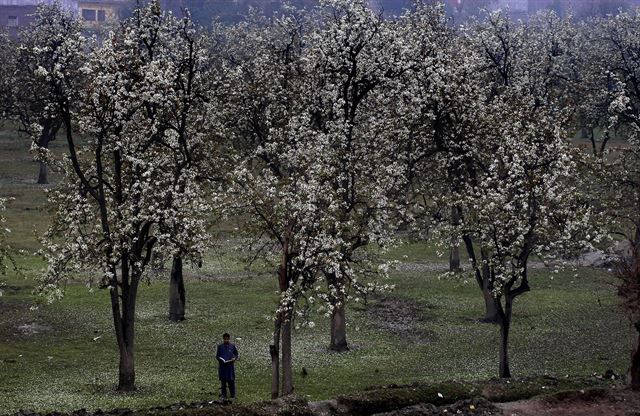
pixel 64 357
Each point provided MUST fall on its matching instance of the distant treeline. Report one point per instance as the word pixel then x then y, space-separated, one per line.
pixel 233 11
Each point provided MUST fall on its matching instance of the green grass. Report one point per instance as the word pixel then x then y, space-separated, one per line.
pixel 559 328
pixel 415 252
pixel 568 325
pixel 27 213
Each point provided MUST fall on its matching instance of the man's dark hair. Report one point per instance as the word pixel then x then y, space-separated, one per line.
pixel 225 335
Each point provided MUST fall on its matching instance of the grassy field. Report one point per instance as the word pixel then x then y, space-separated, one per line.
pixel 63 356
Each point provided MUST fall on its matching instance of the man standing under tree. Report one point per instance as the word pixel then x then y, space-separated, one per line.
pixel 226 355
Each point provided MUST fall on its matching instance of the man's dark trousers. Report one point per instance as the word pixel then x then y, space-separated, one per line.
pixel 232 388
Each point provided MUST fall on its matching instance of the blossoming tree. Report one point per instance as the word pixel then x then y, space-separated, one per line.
pixel 274 182
pixel 40 48
pixel 353 62
pixel 129 186
pixel 521 196
pixel 612 96
pixel 443 98
pixel 502 154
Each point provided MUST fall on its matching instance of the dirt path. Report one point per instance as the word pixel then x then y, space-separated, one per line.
pixel 591 403
pixel 401 317
pixel 423 267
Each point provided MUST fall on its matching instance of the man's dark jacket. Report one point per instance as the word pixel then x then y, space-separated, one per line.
pixel 226 371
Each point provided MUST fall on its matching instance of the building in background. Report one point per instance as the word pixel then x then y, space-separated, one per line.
pixel 15 14
pixel 98 12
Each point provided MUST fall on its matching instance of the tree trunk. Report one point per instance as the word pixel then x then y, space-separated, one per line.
pixel 47 135
pixel 43 173
pixel 490 308
pixel 287 370
pixel 491 314
pixel 124 334
pixel 281 345
pixel 124 311
pixel 454 254
pixel 584 134
pixel 176 291
pixel 505 326
pixel 454 258
pixel 483 278
pixel 635 363
pixel 283 330
pixel 274 351
pixel 339 328
pixel 126 370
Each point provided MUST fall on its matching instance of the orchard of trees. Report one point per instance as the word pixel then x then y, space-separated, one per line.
pixel 325 132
